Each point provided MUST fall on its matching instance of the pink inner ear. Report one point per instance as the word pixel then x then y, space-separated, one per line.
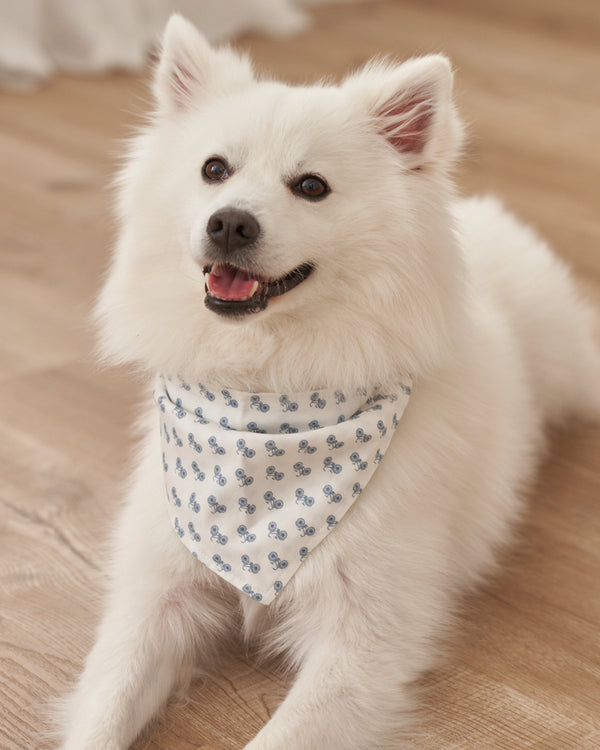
pixel 406 120
pixel 182 85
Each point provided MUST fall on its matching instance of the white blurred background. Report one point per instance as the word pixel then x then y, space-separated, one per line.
pixel 41 37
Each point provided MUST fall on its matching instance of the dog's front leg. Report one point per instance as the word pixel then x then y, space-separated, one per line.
pixel 353 690
pixel 163 619
pixel 134 666
pixel 342 700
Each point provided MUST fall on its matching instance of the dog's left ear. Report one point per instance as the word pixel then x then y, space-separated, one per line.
pixel 411 107
pixel 190 70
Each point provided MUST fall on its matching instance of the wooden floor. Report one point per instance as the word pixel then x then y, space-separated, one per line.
pixel 525 673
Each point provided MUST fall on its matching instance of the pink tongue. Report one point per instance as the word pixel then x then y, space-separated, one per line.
pixel 227 282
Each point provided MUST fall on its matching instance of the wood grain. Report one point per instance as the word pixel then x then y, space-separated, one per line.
pixel 525 670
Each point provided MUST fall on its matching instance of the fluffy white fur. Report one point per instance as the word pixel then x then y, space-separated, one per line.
pixel 408 279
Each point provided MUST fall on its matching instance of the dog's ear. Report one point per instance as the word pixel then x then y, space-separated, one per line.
pixel 189 69
pixel 411 107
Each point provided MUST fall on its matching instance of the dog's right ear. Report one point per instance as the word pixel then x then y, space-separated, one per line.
pixel 189 69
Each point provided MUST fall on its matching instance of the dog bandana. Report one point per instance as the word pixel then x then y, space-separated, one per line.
pixel 254 481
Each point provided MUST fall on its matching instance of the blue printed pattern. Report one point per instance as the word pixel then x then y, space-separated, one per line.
pixel 255 481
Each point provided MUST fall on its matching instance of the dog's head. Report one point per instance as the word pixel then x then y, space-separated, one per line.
pixel 286 237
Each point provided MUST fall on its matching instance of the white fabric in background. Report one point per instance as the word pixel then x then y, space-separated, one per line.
pixel 255 481
pixel 41 37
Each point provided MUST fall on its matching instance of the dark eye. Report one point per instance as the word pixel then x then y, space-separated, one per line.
pixel 311 187
pixel 215 170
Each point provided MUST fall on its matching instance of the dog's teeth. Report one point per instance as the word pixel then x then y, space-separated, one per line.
pixel 255 286
pixel 252 292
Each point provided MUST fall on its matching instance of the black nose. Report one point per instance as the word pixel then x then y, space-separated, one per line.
pixel 231 229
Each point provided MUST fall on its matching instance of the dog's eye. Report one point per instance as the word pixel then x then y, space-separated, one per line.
pixel 215 170
pixel 311 187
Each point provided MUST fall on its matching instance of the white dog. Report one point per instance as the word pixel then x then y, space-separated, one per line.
pixel 293 261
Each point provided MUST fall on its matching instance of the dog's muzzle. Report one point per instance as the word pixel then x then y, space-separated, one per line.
pixel 232 287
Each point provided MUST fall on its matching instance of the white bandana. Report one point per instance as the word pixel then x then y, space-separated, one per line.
pixel 255 481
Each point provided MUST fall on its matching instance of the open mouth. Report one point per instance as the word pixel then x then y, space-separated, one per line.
pixel 231 290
